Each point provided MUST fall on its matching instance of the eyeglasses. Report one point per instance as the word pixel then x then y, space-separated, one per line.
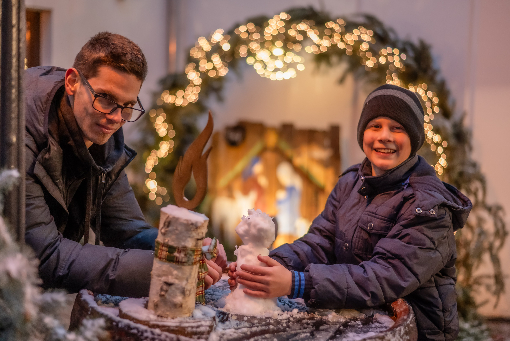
pixel 105 105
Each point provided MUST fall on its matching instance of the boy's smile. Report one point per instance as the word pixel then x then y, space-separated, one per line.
pixel 386 144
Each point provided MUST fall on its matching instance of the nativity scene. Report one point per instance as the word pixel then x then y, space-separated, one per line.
pixel 285 172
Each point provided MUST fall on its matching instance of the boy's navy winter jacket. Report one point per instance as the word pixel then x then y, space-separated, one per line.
pixel 70 189
pixel 383 238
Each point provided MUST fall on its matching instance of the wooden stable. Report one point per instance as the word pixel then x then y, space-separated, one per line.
pixel 313 154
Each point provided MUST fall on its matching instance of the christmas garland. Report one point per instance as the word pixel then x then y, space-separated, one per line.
pixel 373 54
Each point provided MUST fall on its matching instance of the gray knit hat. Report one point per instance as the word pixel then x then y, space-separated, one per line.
pixel 399 104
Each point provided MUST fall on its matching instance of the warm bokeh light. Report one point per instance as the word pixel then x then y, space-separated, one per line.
pixel 272 50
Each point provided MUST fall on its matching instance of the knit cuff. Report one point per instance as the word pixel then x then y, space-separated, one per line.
pixel 301 284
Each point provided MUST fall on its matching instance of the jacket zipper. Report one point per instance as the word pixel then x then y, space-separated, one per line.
pixel 99 203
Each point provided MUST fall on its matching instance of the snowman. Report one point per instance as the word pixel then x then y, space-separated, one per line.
pixel 257 231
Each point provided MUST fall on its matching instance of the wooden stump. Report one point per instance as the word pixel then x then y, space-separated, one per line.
pixel 173 286
pixel 297 323
pixel 133 309
pixel 118 329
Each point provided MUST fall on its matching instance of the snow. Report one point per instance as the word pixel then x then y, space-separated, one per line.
pixel 136 307
pixel 240 303
pixel 356 336
pixel 203 311
pixel 257 231
pixel 257 228
pixel 110 310
pixel 183 213
pixel 384 320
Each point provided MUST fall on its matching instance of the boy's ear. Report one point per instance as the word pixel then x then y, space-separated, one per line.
pixel 72 81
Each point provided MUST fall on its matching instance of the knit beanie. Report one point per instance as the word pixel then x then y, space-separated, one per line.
pixel 399 104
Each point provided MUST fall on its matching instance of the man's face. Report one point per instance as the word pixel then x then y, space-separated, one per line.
pixel 386 144
pixel 119 86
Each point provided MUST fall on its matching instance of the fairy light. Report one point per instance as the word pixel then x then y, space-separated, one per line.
pixel 436 141
pixel 272 50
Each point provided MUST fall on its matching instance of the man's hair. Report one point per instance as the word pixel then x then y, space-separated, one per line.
pixel 113 50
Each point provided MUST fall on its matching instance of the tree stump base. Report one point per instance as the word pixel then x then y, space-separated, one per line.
pixel 128 319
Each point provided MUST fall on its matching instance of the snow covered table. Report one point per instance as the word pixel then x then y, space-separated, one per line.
pixel 128 319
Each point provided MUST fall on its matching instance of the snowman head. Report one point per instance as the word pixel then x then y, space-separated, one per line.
pixel 257 228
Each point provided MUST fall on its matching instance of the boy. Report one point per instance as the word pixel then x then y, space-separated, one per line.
pixel 387 230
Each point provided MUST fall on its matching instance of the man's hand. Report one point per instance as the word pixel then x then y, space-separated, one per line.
pixel 213 273
pixel 232 276
pixel 216 265
pixel 221 258
pixel 265 282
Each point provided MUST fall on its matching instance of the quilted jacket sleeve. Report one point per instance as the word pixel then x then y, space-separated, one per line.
pixel 317 246
pixel 122 222
pixel 416 248
pixel 67 264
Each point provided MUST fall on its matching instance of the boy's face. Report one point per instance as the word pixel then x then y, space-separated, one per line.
pixel 386 144
pixel 121 87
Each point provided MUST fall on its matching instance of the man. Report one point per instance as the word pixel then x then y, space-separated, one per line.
pixel 75 179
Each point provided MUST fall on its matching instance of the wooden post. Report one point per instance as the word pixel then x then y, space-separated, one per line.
pixel 173 286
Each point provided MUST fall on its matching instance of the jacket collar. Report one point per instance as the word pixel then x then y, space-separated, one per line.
pixel 393 178
pixel 39 89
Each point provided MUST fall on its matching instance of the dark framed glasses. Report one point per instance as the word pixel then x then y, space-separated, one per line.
pixel 105 105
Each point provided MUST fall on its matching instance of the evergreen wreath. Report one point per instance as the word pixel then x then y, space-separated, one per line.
pixel 374 55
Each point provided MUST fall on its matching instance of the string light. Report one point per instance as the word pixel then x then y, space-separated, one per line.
pixel 272 50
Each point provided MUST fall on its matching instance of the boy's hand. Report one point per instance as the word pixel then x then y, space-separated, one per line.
pixel 265 282
pixel 215 266
pixel 232 276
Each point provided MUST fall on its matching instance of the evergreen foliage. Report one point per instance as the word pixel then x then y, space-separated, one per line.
pixel 25 312
pixel 485 233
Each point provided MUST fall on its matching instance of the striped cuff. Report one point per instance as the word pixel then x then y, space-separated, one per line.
pixel 298 284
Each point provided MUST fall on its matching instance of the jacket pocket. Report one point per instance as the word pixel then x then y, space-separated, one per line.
pixel 370 229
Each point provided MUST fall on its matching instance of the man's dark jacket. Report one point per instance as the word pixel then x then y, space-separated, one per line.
pixel 386 237
pixel 70 188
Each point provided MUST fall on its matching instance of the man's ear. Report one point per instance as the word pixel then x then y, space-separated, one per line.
pixel 72 81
